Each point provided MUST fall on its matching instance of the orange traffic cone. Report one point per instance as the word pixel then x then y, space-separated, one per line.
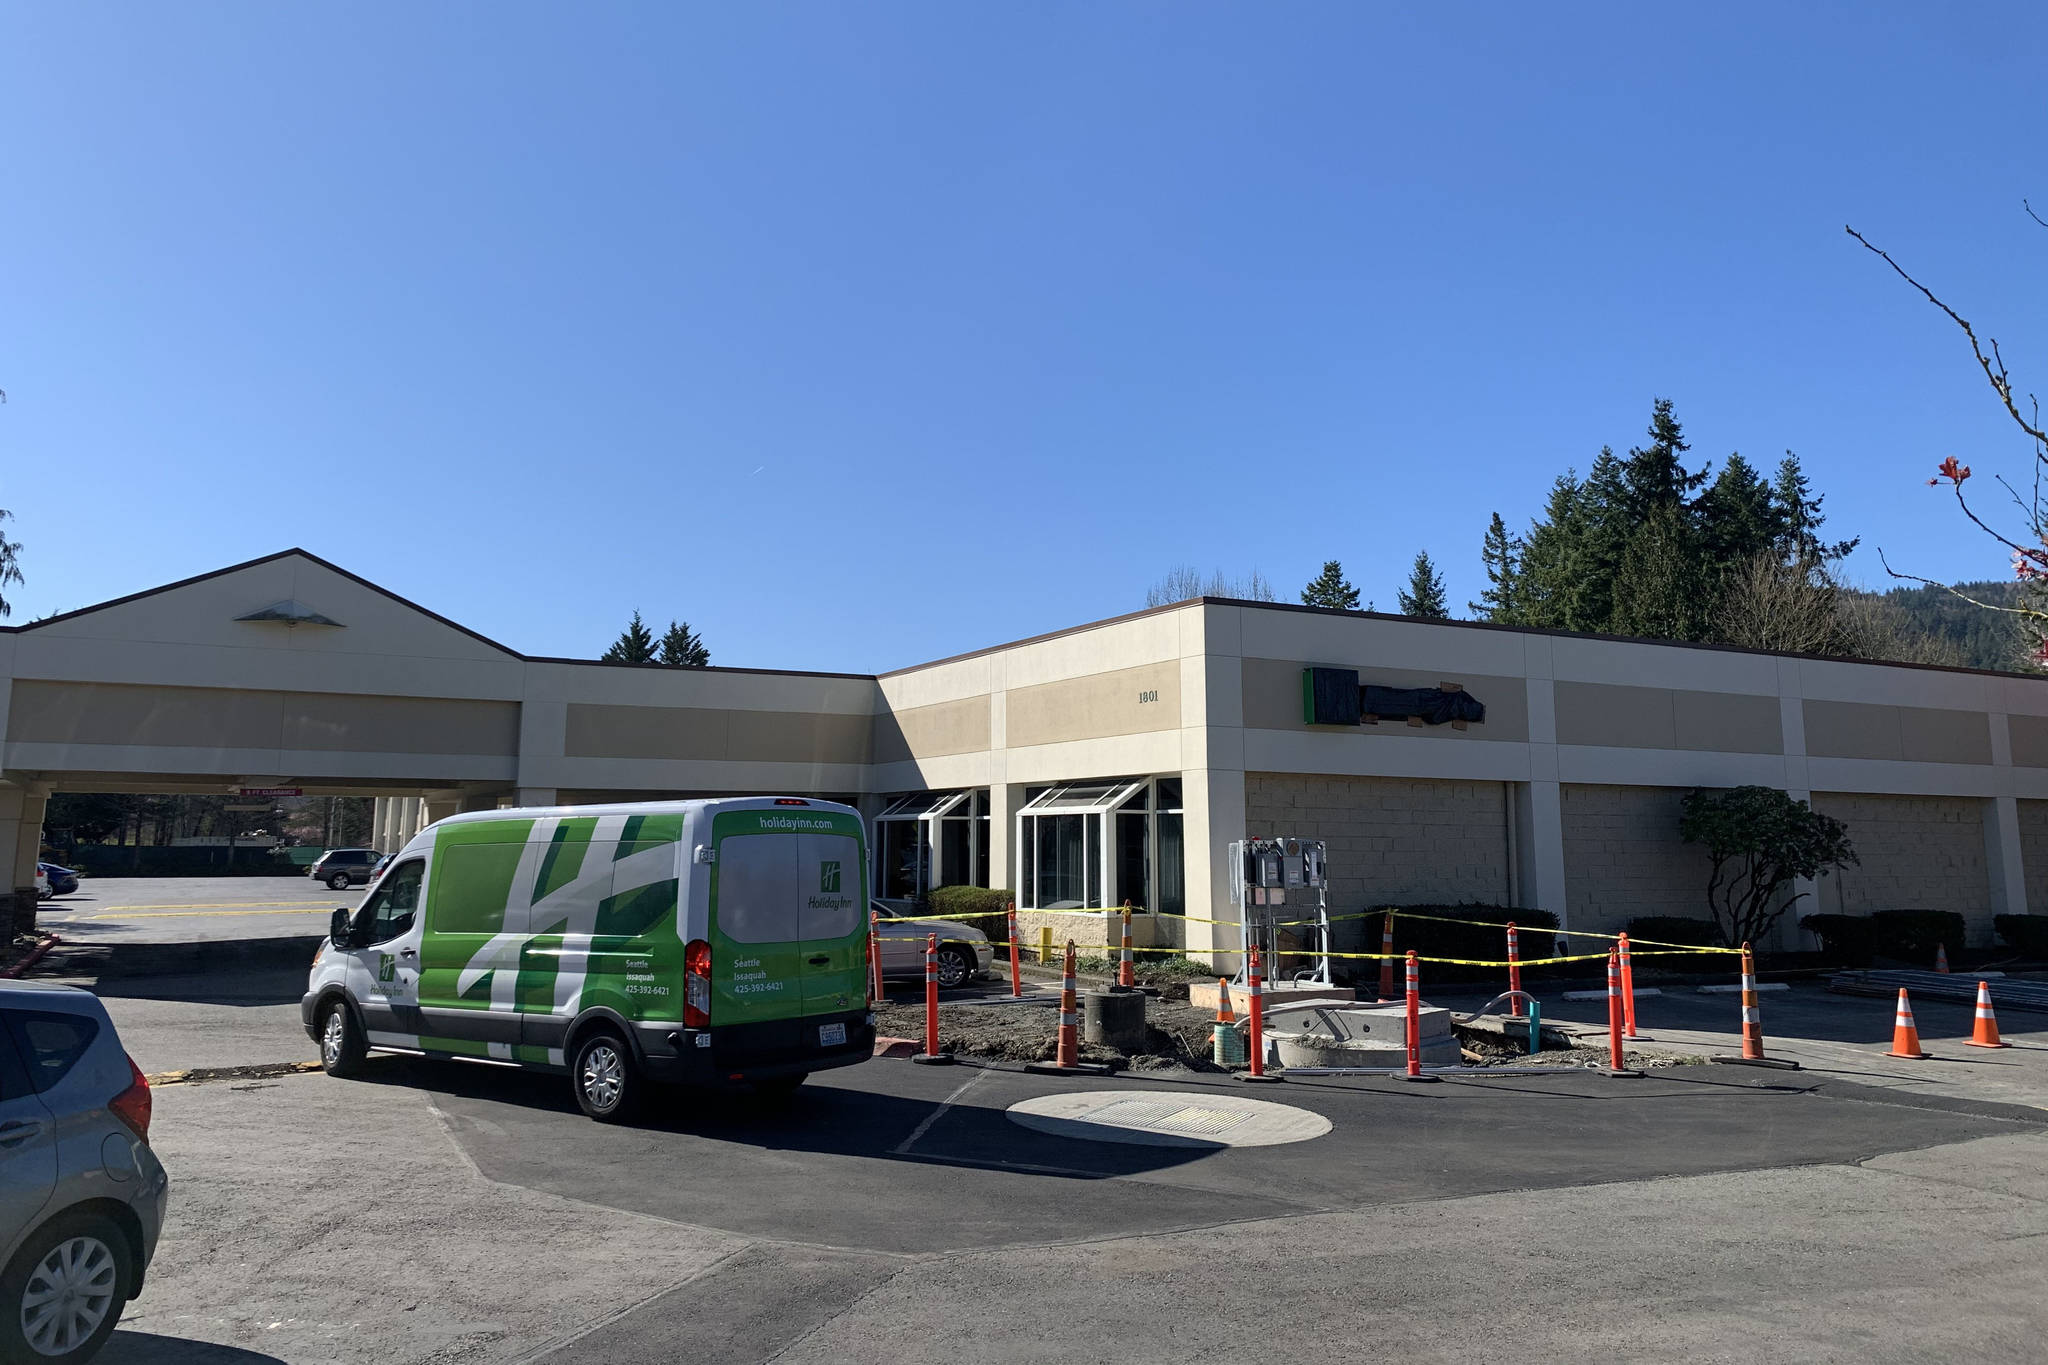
pixel 1905 1037
pixel 1941 958
pixel 1987 1022
pixel 1224 1014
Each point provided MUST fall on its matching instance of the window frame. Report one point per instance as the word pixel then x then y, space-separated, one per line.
pixel 366 917
pixel 1103 803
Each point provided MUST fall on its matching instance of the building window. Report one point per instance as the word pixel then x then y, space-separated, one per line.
pixel 929 839
pixel 1094 845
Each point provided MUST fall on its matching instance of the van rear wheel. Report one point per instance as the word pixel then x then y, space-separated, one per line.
pixel 609 1087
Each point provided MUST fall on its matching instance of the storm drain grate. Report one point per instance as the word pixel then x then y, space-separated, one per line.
pixel 1192 1119
pixel 1165 1118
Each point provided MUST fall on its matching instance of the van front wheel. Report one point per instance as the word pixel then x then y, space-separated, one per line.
pixel 342 1045
pixel 608 1084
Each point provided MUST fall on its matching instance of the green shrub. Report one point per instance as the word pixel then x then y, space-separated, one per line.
pixel 1657 929
pixel 1903 935
pixel 2028 934
pixel 1850 940
pixel 1913 935
pixel 985 908
pixel 1486 940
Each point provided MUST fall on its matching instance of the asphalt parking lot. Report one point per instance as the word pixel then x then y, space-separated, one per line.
pixel 448 1214
pixel 125 910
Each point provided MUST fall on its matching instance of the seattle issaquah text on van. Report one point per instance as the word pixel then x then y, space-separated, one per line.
pixel 718 942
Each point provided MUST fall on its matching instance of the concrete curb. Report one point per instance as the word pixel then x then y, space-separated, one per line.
pixel 35 955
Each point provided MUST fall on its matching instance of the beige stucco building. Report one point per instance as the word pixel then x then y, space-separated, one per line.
pixel 1115 760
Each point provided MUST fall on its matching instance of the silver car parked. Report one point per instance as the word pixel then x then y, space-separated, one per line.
pixel 965 954
pixel 81 1195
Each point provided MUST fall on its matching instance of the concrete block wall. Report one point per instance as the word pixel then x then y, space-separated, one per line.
pixel 1623 857
pixel 1392 840
pixel 1917 853
pixel 2034 853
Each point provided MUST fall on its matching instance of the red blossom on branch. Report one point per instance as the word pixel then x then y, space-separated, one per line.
pixel 1952 470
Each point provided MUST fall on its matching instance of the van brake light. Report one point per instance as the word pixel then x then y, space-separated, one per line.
pixel 790 801
pixel 132 1105
pixel 697 985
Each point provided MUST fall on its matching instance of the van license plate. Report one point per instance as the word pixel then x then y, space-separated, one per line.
pixel 831 1035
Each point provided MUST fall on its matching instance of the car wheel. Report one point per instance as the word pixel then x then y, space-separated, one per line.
pixel 338 882
pixel 64 1290
pixel 607 1081
pixel 342 1045
pixel 956 966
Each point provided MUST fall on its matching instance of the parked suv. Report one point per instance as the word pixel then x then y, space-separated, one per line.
pixel 81 1195
pixel 342 868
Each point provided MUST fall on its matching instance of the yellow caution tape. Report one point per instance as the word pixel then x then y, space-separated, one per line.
pixel 1634 943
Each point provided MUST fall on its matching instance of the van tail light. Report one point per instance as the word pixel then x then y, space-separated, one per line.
pixel 697 985
pixel 132 1105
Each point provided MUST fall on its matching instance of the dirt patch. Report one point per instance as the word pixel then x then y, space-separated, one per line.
pixel 199 1075
pixel 1177 1037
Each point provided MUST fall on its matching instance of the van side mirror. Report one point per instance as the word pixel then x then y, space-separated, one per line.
pixel 338 928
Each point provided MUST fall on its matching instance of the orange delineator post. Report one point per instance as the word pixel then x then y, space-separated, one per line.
pixel 1515 1006
pixel 1258 1023
pixel 931 995
pixel 1986 1032
pixel 1069 1049
pixel 875 956
pixel 1752 1014
pixel 1016 971
pixel 1414 1018
pixel 1387 961
pixel 1126 971
pixel 1905 1035
pixel 1628 989
pixel 1616 1061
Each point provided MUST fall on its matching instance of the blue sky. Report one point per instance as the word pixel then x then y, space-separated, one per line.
pixel 862 335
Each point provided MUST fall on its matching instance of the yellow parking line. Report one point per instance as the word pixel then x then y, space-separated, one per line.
pixel 198 905
pixel 211 914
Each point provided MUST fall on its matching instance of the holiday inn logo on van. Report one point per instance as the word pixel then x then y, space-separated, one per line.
pixel 828 879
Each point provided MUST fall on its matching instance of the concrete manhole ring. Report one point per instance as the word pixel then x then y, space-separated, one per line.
pixel 1167 1118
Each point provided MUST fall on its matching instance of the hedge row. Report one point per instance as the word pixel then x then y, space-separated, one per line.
pixel 1900 935
pixel 984 908
pixel 1485 941
pixel 1656 929
pixel 2028 934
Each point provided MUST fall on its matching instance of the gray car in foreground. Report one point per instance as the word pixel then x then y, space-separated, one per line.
pixel 81 1194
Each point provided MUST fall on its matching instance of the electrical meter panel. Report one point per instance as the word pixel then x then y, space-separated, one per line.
pixel 1270 868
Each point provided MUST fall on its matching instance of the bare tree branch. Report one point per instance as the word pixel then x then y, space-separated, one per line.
pixel 1994 370
pixel 1953 591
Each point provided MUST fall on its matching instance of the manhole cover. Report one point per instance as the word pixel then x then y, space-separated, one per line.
pixel 1161 1118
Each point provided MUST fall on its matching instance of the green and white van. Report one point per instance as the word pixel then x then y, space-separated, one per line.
pixel 719 942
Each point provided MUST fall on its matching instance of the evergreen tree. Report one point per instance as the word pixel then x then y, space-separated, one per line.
pixel 1329 588
pixel 1796 511
pixel 635 645
pixel 1737 519
pixel 1655 475
pixel 10 565
pixel 1424 595
pixel 1551 575
pixel 684 647
pixel 1501 600
pixel 1660 590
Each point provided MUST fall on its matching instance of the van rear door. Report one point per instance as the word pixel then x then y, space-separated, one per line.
pixel 786 930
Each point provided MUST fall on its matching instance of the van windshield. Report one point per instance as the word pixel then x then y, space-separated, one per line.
pixel 780 888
